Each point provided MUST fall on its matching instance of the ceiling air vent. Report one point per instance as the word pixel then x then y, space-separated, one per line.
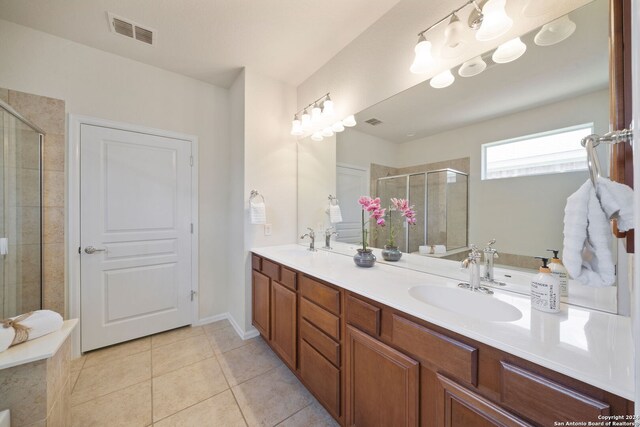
pixel 373 121
pixel 133 30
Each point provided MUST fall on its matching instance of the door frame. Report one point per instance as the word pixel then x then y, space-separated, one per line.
pixel 72 204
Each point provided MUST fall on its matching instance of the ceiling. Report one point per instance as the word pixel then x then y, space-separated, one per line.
pixel 543 75
pixel 211 40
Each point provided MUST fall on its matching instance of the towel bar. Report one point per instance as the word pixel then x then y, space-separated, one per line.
pixel 592 141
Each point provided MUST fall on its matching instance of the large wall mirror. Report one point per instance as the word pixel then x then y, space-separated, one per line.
pixel 492 156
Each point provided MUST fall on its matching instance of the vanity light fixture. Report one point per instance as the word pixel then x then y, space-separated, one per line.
pixel 496 22
pixel 555 31
pixel 509 51
pixel 321 122
pixel 472 67
pixel 296 126
pixel 453 34
pixel 423 59
pixel 442 80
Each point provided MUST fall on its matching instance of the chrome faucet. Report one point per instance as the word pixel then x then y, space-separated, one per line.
pixel 327 237
pixel 312 235
pixel 490 254
pixel 472 262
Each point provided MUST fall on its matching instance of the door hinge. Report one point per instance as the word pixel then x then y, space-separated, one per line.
pixel 79 249
pixel 191 228
pixel 191 160
pixel 193 294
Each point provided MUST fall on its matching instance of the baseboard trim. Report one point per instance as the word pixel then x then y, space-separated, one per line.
pixel 245 335
pixel 211 319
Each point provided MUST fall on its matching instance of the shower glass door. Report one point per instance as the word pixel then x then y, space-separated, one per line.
pixel 20 217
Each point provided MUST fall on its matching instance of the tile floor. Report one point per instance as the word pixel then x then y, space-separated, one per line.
pixel 192 376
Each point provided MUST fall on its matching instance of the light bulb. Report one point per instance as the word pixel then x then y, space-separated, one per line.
pixel 296 126
pixel 496 22
pixel 509 51
pixel 472 67
pixel 423 59
pixel 306 120
pixel 327 132
pixel 337 127
pixel 327 107
pixel 555 31
pixel 317 136
pixel 349 121
pixel 316 113
pixel 442 80
pixel 453 33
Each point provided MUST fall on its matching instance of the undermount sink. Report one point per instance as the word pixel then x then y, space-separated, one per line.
pixel 466 302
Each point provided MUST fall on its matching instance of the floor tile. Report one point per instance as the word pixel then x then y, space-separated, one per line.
pixel 108 377
pixel 174 335
pixel 117 351
pixel 78 363
pixel 180 353
pixel 220 324
pixel 313 415
pixel 127 407
pixel 225 339
pixel 186 386
pixel 220 410
pixel 272 397
pixel 73 377
pixel 249 361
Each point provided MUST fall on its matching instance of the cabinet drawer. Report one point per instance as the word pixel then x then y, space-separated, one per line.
pixel 322 378
pixel 288 278
pixel 446 354
pixel 321 342
pixel 271 269
pixel 546 401
pixel 323 295
pixel 256 262
pixel 363 315
pixel 320 318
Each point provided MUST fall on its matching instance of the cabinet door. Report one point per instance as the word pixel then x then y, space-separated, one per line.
pixel 460 407
pixel 283 323
pixel 260 303
pixel 382 383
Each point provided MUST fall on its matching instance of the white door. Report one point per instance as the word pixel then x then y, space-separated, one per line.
pixel 135 234
pixel 351 183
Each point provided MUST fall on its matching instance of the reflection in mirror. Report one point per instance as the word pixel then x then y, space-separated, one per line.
pixel 512 134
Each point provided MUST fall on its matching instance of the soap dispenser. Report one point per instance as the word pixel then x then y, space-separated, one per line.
pixel 559 270
pixel 545 290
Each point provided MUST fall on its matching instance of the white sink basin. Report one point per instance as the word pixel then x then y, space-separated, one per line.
pixel 466 302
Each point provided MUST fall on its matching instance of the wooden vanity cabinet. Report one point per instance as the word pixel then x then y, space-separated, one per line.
pixel 371 365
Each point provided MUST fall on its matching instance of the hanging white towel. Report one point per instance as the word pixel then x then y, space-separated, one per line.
pixel 587 239
pixel 335 215
pixel 258 212
pixel 40 322
pixel 617 202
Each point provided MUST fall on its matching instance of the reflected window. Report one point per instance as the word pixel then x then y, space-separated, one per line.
pixel 555 151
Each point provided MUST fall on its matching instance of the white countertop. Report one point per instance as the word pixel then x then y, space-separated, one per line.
pixel 37 349
pixel 588 345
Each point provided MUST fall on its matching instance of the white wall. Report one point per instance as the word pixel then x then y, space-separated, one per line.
pixel 95 83
pixel 355 148
pixel 506 208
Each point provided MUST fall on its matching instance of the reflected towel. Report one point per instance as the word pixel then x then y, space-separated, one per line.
pixel 439 249
pixel 40 322
pixel 335 215
pixel 587 239
pixel 617 202
pixel 258 212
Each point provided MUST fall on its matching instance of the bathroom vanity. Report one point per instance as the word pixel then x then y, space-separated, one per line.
pixel 376 351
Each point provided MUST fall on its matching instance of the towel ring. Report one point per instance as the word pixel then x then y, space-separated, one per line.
pixel 333 200
pixel 592 141
pixel 254 194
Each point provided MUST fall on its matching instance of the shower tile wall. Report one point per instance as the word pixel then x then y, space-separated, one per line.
pixel 49 115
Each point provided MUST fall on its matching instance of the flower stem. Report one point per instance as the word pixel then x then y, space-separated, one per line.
pixel 364 238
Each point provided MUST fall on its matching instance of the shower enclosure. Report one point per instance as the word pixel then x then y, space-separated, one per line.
pixel 441 201
pixel 21 214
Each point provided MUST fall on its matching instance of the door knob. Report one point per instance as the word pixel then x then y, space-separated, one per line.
pixel 91 250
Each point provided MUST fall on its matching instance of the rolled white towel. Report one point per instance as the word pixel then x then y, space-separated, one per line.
pixel 617 202
pixel 40 323
pixel 587 239
pixel 335 215
pixel 258 212
pixel 440 249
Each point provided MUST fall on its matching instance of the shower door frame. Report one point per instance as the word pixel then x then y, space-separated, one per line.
pixel 41 133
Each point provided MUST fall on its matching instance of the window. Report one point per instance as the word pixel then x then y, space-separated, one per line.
pixel 550 152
